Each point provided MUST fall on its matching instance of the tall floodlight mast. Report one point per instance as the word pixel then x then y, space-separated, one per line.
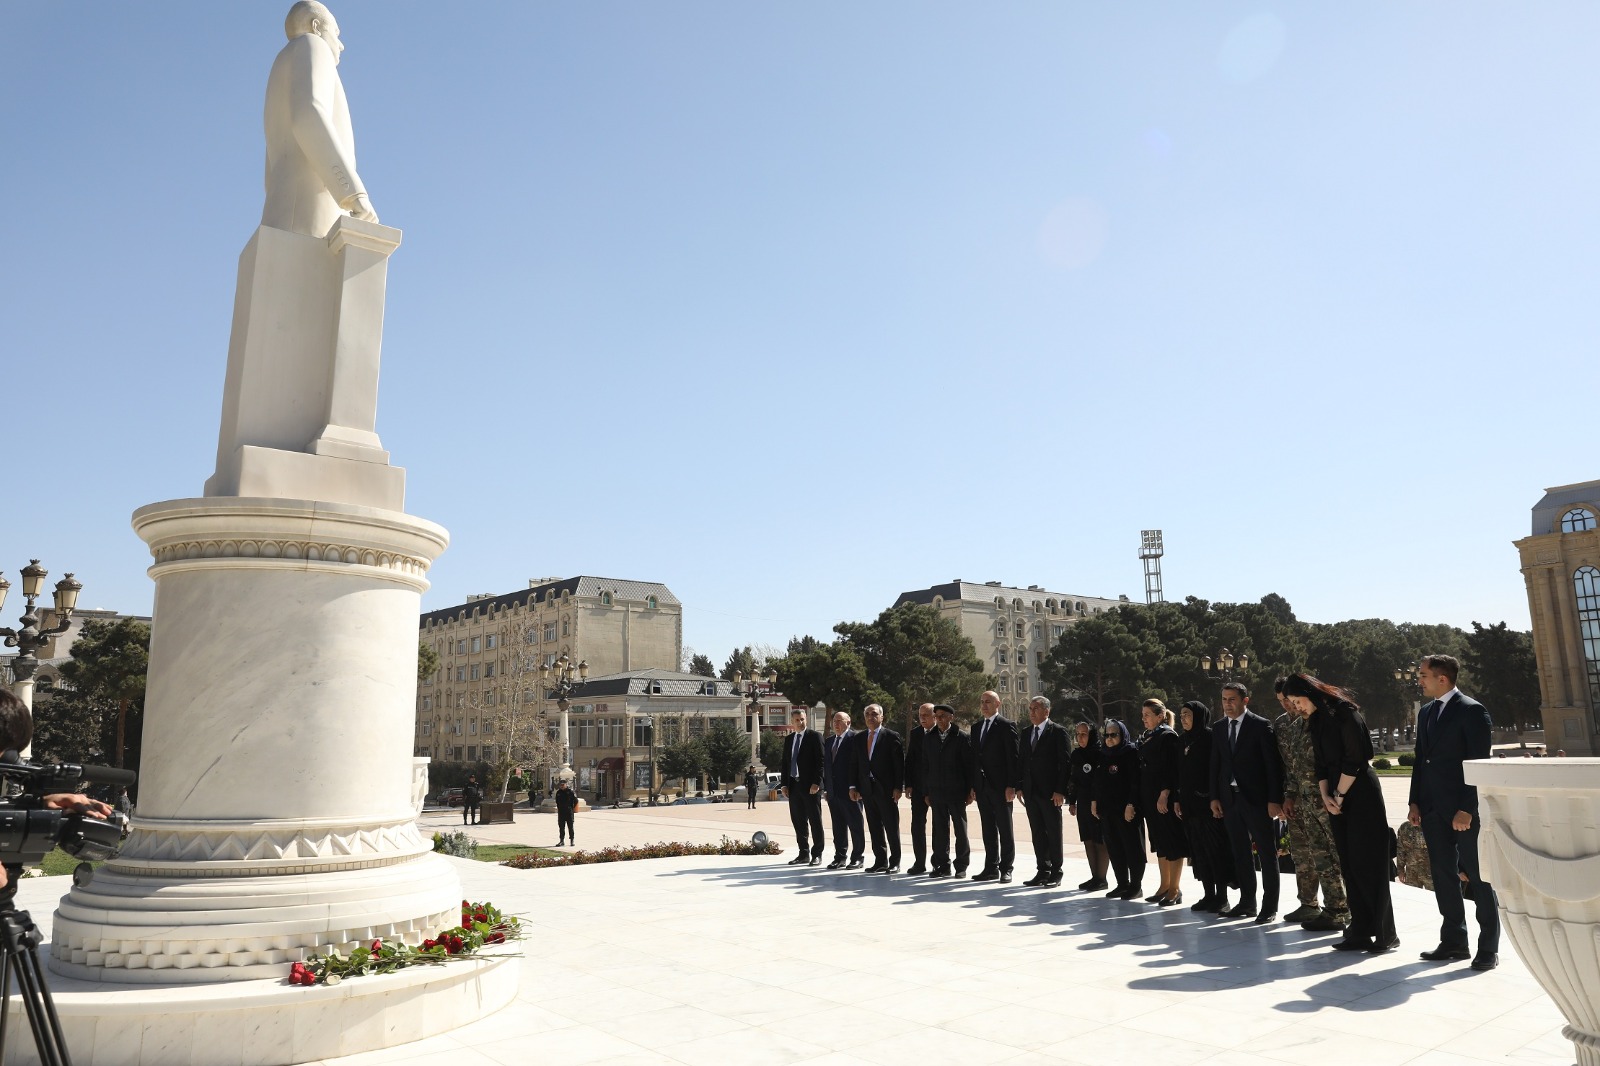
pixel 1150 552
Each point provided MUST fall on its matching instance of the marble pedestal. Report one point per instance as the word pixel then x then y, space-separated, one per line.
pixel 1540 847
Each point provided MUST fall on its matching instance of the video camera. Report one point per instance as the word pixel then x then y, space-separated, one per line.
pixel 29 834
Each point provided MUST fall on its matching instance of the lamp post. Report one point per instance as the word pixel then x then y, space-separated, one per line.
pixel 1410 678
pixel 752 691
pixel 649 722
pixel 563 678
pixel 30 638
pixel 1222 667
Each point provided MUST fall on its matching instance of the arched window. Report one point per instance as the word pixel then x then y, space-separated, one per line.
pixel 650 603
pixel 605 599
pixel 1578 520
pixel 1586 582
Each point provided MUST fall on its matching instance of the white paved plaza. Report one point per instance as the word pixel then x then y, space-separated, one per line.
pixel 738 960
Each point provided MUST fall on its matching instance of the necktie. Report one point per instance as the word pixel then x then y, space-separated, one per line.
pixel 1036 731
pixel 872 738
pixel 1233 734
pixel 794 757
pixel 983 734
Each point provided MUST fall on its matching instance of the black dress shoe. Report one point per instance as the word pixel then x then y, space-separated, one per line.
pixel 1120 892
pixel 798 860
pixel 1486 960
pixel 1035 881
pixel 1005 877
pixel 986 875
pixel 937 872
pixel 894 868
pixel 836 864
pixel 877 869
pixel 1443 953
pixel 1384 947
pixel 1323 922
pixel 1348 944
pixel 853 864
pixel 1204 904
pixel 1240 910
pixel 1097 886
pixel 816 860
pixel 917 871
pixel 1054 881
pixel 1153 899
pixel 1267 918
pixel 1091 884
pixel 1170 901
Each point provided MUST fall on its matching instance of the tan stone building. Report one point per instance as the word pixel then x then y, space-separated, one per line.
pixel 491 647
pixel 1561 566
pixel 1013 629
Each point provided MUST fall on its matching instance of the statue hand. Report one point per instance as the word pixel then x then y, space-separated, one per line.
pixel 361 208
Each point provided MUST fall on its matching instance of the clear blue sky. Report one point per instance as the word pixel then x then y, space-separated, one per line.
pixel 797 306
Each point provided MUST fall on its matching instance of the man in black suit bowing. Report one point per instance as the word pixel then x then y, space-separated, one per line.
pixel 802 783
pixel 917 787
pixel 838 768
pixel 994 750
pixel 1247 775
pixel 1042 755
pixel 880 771
pixel 1450 730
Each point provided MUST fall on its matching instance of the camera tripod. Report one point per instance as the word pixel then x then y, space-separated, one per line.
pixel 19 943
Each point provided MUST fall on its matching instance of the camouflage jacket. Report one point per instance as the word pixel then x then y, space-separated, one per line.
pixel 1411 859
pixel 1299 762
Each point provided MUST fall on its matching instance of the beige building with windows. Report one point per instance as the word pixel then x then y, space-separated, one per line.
pixel 491 647
pixel 1013 629
pixel 1561 566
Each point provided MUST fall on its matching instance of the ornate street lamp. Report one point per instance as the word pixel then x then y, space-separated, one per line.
pixel 649 722
pixel 752 691
pixel 564 678
pixel 1222 667
pixel 30 638
pixel 1410 678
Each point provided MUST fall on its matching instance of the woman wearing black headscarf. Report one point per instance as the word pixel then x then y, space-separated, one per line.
pixel 1342 753
pixel 1207 835
pixel 1160 759
pixel 1080 803
pixel 1116 804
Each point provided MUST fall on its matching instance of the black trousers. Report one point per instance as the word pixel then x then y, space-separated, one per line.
pixel 466 809
pixel 1361 834
pixel 805 814
pixel 1125 846
pixel 999 837
pixel 1247 822
pixel 950 818
pixel 1209 851
pixel 919 827
pixel 845 814
pixel 565 825
pixel 883 822
pixel 1044 823
pixel 1451 854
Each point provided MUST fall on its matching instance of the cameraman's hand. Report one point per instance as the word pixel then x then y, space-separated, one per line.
pixel 77 801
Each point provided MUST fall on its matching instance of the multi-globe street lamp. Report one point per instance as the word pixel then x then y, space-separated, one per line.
pixel 752 689
pixel 649 722
pixel 30 638
pixel 1221 668
pixel 563 678
pixel 1410 678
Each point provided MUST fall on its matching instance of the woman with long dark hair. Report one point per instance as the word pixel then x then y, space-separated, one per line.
pixel 1082 761
pixel 1160 762
pixel 1116 804
pixel 1207 835
pixel 1354 802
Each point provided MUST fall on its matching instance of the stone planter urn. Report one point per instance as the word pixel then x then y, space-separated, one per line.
pixel 1541 851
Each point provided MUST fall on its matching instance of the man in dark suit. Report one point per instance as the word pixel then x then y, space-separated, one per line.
pixel 801 784
pixel 1247 793
pixel 994 750
pixel 838 763
pixel 1450 730
pixel 916 785
pixel 950 776
pixel 880 770
pixel 1042 755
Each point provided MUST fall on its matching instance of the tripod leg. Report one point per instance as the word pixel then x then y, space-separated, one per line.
pixel 5 1002
pixel 20 944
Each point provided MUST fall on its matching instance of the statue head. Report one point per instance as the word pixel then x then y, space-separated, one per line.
pixel 309 16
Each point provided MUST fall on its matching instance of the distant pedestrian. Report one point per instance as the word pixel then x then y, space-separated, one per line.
pixel 750 784
pixel 471 797
pixel 124 803
pixel 566 814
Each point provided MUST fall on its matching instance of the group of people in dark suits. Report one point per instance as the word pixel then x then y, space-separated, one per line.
pixel 1214 794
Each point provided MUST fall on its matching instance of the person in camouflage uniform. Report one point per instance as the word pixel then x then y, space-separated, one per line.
pixel 1415 869
pixel 1316 862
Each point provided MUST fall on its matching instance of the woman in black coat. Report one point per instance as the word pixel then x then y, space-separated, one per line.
pixel 1160 763
pixel 1116 804
pixel 1080 804
pixel 1207 835
pixel 1342 754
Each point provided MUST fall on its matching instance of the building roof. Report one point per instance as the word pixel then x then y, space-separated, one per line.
pixel 638 682
pixel 973 592
pixel 581 587
pixel 1559 500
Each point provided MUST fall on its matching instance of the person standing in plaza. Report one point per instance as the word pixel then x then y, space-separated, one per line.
pixel 750 786
pixel 802 787
pixel 994 749
pixel 1451 729
pixel 1209 852
pixel 1116 804
pixel 950 780
pixel 1247 794
pixel 1160 768
pixel 1082 761
pixel 567 814
pixel 1351 795
pixel 879 781
pixel 471 797
pixel 1045 769
pixel 1316 857
pixel 838 755
pixel 917 787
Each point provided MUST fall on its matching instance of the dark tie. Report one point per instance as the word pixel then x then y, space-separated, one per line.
pixel 1233 734
pixel 794 758
pixel 1036 731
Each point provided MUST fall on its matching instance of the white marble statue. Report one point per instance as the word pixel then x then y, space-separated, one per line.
pixel 311 151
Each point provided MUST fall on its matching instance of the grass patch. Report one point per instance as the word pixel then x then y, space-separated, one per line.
pixel 59 862
pixel 1395 771
pixel 502 852
pixel 663 850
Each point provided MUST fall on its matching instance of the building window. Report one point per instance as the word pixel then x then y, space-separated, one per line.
pixel 427 727
pixel 488 753
pixel 1038 657
pixel 641 733
pixel 605 599
pixel 1005 685
pixel 472 753
pixel 1577 520
pixel 488 669
pixel 1000 629
pixel 1022 630
pixel 566 627
pixel 491 640
pixel 1057 632
pixel 697 726
pixel 461 673
pixel 477 644
pixel 650 602
pixel 549 631
pixel 474 671
pixel 472 727
pixel 1022 684
pixel 1587 582
pixel 1001 656
pixel 1038 631
pixel 427 703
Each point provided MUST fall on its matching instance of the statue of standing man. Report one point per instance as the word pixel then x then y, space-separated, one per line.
pixel 311 151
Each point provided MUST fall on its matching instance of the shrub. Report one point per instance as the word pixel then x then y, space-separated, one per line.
pixel 1381 763
pixel 663 850
pixel 1408 758
pixel 457 843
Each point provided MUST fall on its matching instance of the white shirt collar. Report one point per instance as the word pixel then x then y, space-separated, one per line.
pixel 1448 696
